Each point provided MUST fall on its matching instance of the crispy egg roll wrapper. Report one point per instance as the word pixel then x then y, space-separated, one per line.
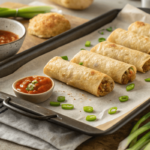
pixel 113 68
pixel 130 40
pixel 140 60
pixel 77 76
pixel 140 28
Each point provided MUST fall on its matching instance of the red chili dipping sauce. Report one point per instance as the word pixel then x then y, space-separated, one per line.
pixel 7 37
pixel 34 85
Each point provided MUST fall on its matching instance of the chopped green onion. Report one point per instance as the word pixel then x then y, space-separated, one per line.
pixel 102 33
pixel 137 126
pixel 91 118
pixel 81 63
pixel 82 49
pixel 109 29
pixel 147 80
pixel 112 110
pixel 30 87
pixel 123 145
pixel 130 87
pixel 88 44
pixel 123 98
pixel 52 103
pixel 101 39
pixel 88 109
pixel 132 68
pixel 25 12
pixel 67 106
pixel 34 82
pixel 61 98
pixel 64 57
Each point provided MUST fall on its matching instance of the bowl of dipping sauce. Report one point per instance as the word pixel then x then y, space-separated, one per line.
pixel 12 35
pixel 35 89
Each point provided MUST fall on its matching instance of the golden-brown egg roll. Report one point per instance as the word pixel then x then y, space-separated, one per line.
pixel 130 40
pixel 140 60
pixel 78 76
pixel 119 71
pixel 140 28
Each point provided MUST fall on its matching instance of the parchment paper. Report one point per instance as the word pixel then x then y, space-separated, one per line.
pixel 80 98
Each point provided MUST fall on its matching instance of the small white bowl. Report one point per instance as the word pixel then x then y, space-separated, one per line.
pixel 9 49
pixel 34 98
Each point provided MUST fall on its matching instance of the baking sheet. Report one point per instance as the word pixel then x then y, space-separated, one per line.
pixel 80 98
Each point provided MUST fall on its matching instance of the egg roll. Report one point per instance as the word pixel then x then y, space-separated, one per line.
pixel 130 40
pixel 92 81
pixel 119 71
pixel 140 28
pixel 140 60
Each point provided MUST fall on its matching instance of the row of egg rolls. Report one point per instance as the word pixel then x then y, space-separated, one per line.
pixel 119 71
pixel 120 64
pixel 78 76
pixel 140 60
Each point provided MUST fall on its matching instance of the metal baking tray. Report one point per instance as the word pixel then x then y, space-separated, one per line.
pixel 10 65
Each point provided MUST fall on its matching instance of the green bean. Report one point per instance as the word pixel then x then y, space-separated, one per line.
pixel 123 98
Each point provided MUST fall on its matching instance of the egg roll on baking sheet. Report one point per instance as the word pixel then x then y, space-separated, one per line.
pixel 119 71
pixel 130 40
pixel 140 60
pixel 140 28
pixel 78 76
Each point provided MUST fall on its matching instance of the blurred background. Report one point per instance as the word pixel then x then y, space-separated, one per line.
pixel 97 8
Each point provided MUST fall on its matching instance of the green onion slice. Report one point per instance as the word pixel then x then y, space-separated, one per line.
pixel 101 39
pixel 82 49
pixel 81 63
pixel 102 33
pixel 130 87
pixel 61 98
pixel 123 98
pixel 52 103
pixel 91 118
pixel 112 110
pixel 30 87
pixel 147 80
pixel 109 29
pixel 67 106
pixel 34 82
pixel 88 44
pixel 88 109
pixel 64 57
